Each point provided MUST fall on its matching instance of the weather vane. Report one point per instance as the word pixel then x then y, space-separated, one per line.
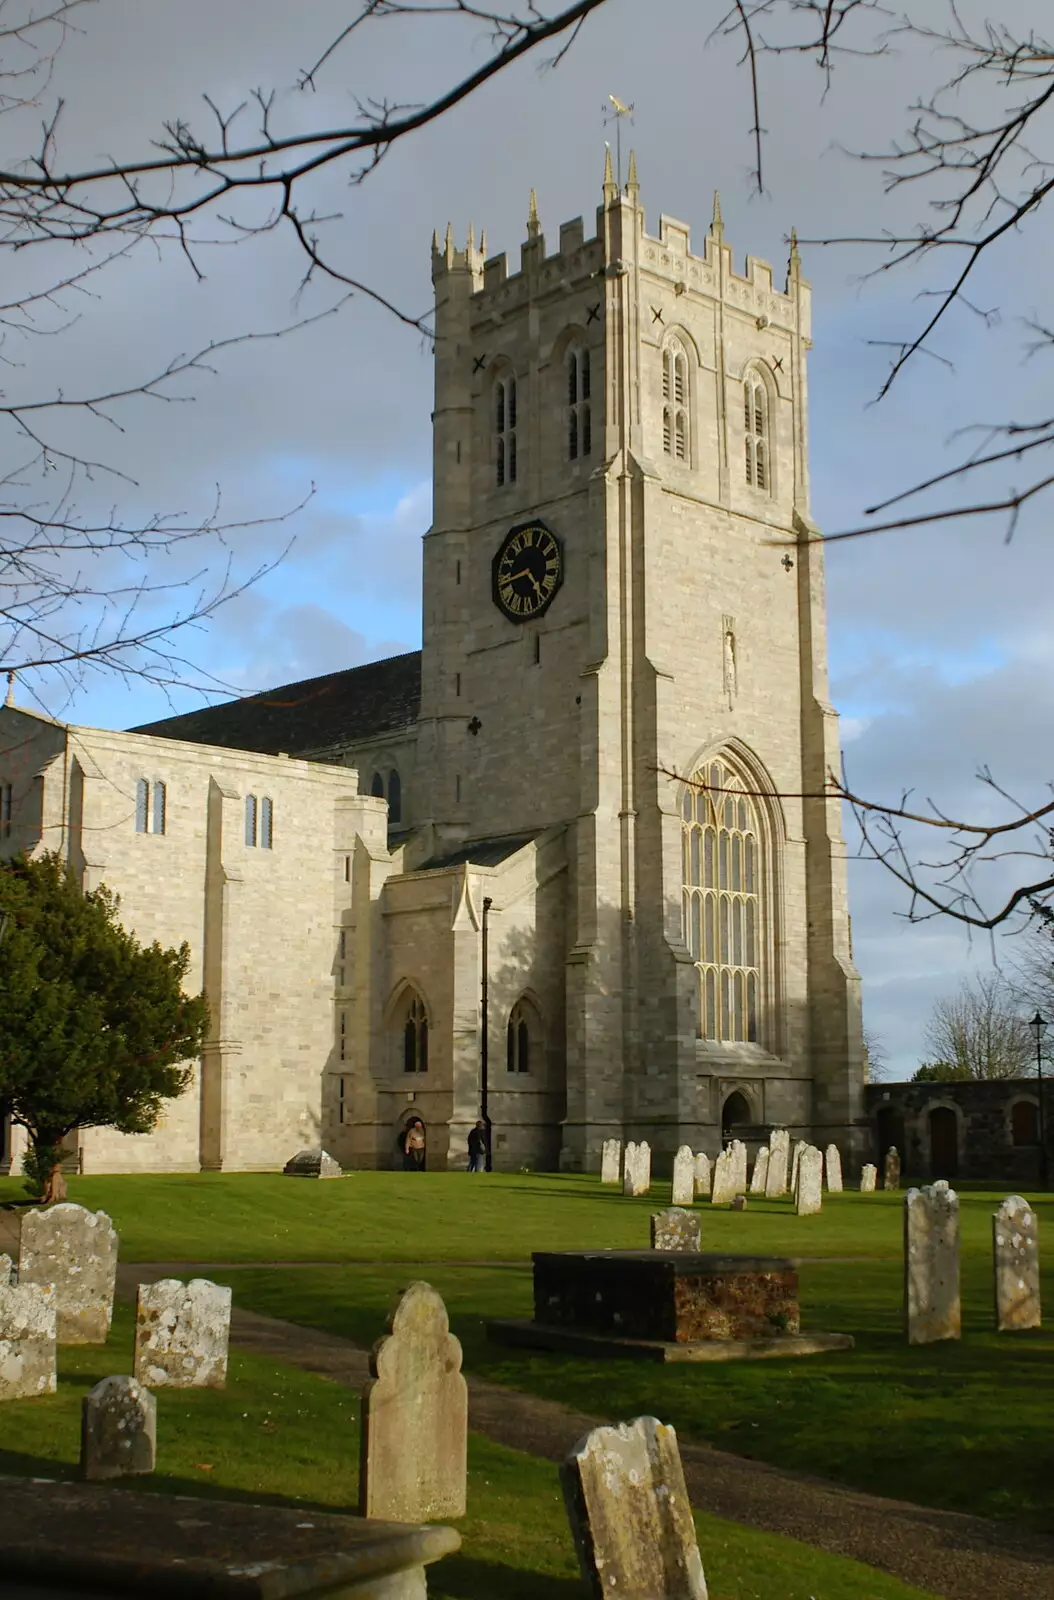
pixel 615 111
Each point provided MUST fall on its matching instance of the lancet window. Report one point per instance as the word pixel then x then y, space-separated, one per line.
pixel 505 430
pixel 579 421
pixel 675 437
pixel 722 901
pixel 756 431
pixel 518 1039
pixel 415 1035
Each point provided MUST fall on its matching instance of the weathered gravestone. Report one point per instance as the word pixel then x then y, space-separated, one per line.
pixel 27 1340
pixel 683 1177
pixel 414 1439
pixel 739 1165
pixel 610 1160
pixel 636 1168
pixel 702 1175
pixel 7 1271
pixel 675 1230
pixel 891 1170
pixel 76 1250
pixel 808 1196
pixel 799 1146
pixel 182 1334
pixel 931 1263
pixel 779 1150
pixel 724 1184
pixel 312 1164
pixel 118 1430
pixel 833 1161
pixel 868 1178
pixel 739 1202
pixel 630 1514
pixel 1015 1249
pixel 759 1176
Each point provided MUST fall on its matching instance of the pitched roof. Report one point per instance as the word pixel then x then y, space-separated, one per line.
pixel 317 714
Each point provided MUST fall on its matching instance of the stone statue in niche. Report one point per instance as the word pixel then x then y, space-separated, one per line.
pixel 730 660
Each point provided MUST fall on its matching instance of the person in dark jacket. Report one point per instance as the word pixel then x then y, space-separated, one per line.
pixel 477 1147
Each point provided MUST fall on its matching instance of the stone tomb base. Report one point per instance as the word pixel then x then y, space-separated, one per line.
pixel 666 1306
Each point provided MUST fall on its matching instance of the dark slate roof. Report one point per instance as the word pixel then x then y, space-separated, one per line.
pixel 487 853
pixel 316 714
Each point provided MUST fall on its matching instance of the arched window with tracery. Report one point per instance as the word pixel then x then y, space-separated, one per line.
pixel 505 430
pixel 757 432
pixel 579 421
pixel 520 1038
pixel 415 1034
pixel 377 786
pixel 722 901
pixel 675 435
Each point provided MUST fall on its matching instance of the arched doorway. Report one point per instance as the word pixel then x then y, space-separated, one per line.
pixel 944 1142
pixel 734 1113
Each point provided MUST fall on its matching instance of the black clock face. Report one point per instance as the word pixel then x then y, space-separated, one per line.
pixel 528 570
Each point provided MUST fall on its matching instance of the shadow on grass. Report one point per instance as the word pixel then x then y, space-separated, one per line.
pixel 468 1578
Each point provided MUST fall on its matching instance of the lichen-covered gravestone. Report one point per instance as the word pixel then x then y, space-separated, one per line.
pixel 799 1146
pixel 683 1177
pixel 739 1165
pixel 891 1170
pixel 7 1271
pixel 759 1176
pixel 630 1514
pixel 76 1250
pixel 312 1164
pixel 27 1340
pixel 833 1162
pixel 779 1151
pixel 118 1430
pixel 636 1168
pixel 702 1175
pixel 182 1334
pixel 724 1185
pixel 808 1196
pixel 675 1229
pixel 1015 1249
pixel 868 1178
pixel 414 1438
pixel 931 1264
pixel 610 1160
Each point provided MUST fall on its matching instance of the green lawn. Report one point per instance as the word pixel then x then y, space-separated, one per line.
pixel 277 1434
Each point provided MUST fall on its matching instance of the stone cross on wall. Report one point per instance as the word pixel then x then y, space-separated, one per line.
pixel 868 1178
pixel 779 1151
pixel 808 1195
pixel 76 1250
pixel 1015 1250
pixel 931 1264
pixel 630 1514
pixel 833 1161
pixel 414 1439
pixel 610 1160
pixel 759 1176
pixel 702 1175
pixel 683 1177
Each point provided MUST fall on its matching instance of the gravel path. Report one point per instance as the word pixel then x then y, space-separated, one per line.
pixel 955 1556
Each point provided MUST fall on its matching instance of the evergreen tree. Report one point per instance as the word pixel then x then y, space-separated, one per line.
pixel 95 1029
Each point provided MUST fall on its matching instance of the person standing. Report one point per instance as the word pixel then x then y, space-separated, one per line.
pixel 477 1147
pixel 414 1146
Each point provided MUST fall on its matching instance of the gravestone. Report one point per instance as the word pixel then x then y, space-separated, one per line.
pixel 182 1334
pixel 808 1196
pixel 630 1515
pixel 1015 1249
pixel 799 1146
pixel 759 1176
pixel 779 1149
pixel 702 1175
pixel 610 1160
pixel 414 1440
pixel 7 1272
pixel 868 1178
pixel 27 1340
pixel 683 1177
pixel 76 1250
pixel 931 1263
pixel 739 1165
pixel 833 1161
pixel 891 1170
pixel 312 1164
pixel 675 1229
pixel 724 1184
pixel 739 1202
pixel 636 1168
pixel 118 1430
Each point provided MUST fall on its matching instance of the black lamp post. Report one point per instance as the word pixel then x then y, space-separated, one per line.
pixel 1039 1027
pixel 483 1062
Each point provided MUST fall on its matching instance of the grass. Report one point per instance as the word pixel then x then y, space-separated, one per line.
pixel 276 1434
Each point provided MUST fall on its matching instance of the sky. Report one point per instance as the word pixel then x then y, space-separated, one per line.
pixel 940 640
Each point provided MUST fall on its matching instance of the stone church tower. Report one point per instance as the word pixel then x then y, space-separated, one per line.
pixel 641 411
pixel 581 836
